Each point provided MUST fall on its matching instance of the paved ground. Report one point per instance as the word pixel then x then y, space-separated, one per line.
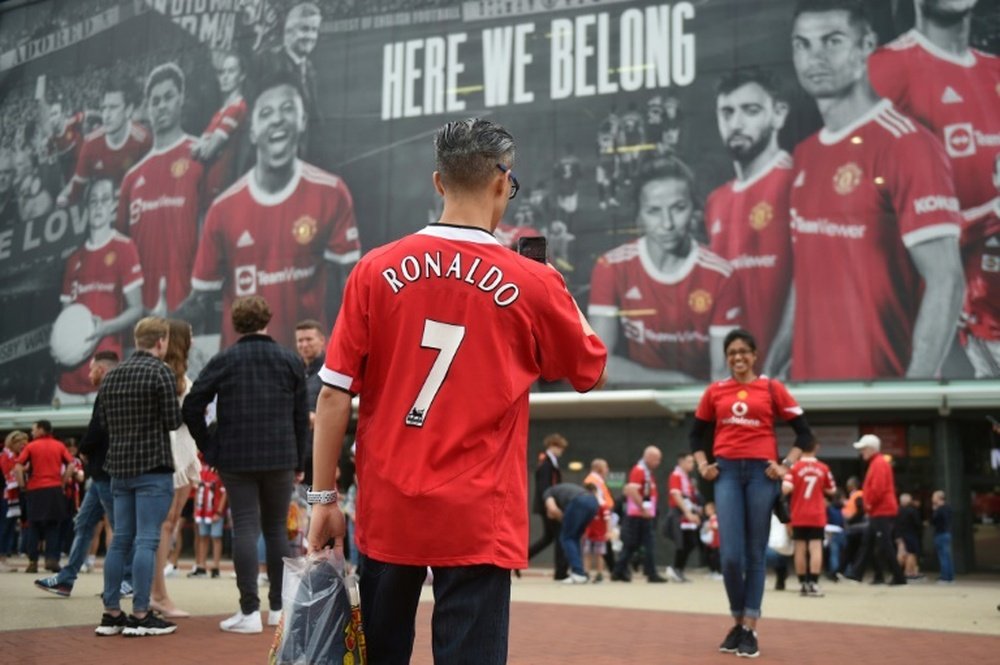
pixel 551 623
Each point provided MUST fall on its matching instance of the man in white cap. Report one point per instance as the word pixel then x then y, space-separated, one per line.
pixel 879 493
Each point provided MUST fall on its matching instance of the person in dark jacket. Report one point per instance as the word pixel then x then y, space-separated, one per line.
pixel 549 475
pixel 259 448
pixel 941 521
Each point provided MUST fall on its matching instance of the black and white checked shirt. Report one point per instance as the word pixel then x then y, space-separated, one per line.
pixel 139 407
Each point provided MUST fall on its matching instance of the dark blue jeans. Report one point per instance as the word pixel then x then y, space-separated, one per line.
pixel 576 517
pixel 8 531
pixel 471 621
pixel 636 532
pixel 96 502
pixel 744 498
pixel 942 543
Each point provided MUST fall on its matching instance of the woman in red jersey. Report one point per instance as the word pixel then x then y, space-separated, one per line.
pixel 742 411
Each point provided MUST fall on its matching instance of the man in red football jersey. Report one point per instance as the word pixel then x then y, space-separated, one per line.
pixel 113 148
pixel 441 335
pixel 931 74
pixel 105 275
pixel 875 224
pixel 161 196
pixel 809 482
pixel 672 299
pixel 747 218
pixel 65 133
pixel 284 231
pixel 219 142
pixel 981 255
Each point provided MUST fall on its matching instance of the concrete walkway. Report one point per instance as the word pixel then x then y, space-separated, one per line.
pixel 554 623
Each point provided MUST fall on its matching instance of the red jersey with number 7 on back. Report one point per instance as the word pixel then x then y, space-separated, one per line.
pixel 442 335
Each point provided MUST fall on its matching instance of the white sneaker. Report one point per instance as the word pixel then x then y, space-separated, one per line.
pixel 673 575
pixel 274 617
pixel 262 580
pixel 576 579
pixel 242 623
pixel 169 570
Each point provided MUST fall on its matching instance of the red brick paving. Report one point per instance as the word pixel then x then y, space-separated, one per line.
pixel 540 633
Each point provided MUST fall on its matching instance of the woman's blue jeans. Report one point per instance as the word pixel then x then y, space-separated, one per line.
pixel 744 498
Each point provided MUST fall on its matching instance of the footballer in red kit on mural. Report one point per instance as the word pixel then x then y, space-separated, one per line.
pixel 670 299
pixel 747 218
pixel 285 230
pixel 161 197
pixel 105 276
pixel 981 257
pixel 217 148
pixel 875 221
pixel 112 149
pixel 934 76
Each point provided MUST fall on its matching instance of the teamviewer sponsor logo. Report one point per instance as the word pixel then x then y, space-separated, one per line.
pixel 960 140
pixel 246 280
pixel 935 203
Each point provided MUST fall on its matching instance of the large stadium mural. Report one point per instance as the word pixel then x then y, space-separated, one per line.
pixel 828 181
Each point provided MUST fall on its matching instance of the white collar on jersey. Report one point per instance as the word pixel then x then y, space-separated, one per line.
pixel 118 146
pixel 461 233
pixel 269 199
pixel 779 158
pixel 967 59
pixel 167 148
pixel 660 276
pixel 826 137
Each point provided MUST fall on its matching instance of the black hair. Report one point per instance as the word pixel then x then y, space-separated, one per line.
pixel 741 76
pixel 168 71
pixel 467 152
pixel 126 87
pixel 809 446
pixel 44 425
pixel 739 334
pixel 664 168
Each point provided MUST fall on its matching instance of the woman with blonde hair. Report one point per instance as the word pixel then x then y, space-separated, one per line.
pixel 187 468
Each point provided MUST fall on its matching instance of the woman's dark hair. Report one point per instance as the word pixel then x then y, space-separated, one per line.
pixel 741 334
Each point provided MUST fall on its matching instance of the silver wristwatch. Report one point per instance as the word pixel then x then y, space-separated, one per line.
pixel 321 496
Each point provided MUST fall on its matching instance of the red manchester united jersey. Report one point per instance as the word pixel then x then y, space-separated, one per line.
pixel 98 157
pixel 425 320
pixel 862 196
pixel 748 226
pixel 666 317
pixel 158 208
pixel 810 480
pixel 981 256
pixel 226 122
pixel 99 277
pixel 744 415
pixel 956 96
pixel 274 245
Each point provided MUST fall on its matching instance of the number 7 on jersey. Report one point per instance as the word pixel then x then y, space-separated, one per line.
pixel 446 338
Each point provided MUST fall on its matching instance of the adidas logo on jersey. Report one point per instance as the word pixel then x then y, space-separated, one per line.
pixel 716 227
pixel 246 240
pixel 633 294
pixel 950 96
pixel 993 241
pixel 140 181
pixel 800 179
